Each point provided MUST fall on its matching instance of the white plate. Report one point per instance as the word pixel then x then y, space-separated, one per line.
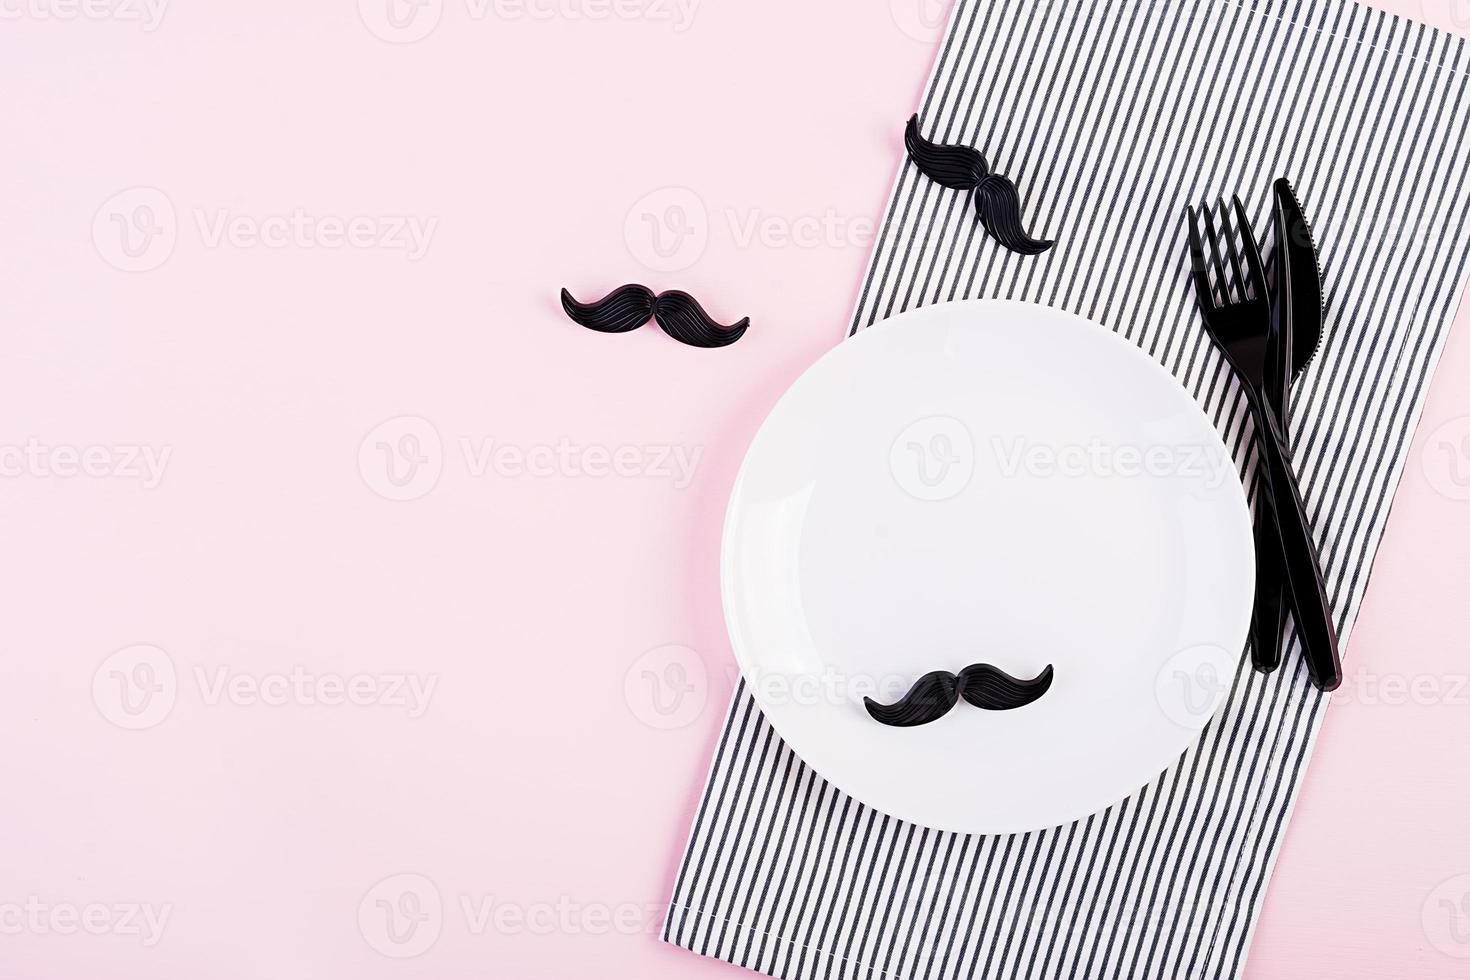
pixel 989 482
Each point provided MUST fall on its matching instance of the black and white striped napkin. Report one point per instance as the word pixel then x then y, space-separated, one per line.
pixel 1111 115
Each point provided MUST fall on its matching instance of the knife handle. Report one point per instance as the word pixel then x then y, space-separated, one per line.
pixel 1302 566
pixel 1268 623
pixel 1269 614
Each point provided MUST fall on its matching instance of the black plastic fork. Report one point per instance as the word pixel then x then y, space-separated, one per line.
pixel 1239 323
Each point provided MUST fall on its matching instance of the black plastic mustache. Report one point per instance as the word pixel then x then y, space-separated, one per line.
pixel 964 168
pixel 982 685
pixel 678 314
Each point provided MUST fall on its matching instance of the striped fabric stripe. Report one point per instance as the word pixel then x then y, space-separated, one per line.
pixel 1111 115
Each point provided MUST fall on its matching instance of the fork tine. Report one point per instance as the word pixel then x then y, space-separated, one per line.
pixel 1234 248
pixel 1197 263
pixel 1252 251
pixel 1220 276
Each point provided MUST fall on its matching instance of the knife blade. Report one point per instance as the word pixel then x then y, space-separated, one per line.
pixel 1306 279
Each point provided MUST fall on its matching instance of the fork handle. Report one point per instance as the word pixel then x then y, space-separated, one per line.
pixel 1302 566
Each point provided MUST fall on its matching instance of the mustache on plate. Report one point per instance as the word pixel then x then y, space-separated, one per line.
pixel 964 168
pixel 982 685
pixel 678 314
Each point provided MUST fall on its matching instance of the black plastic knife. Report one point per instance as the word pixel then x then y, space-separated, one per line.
pixel 1268 616
pixel 1296 327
